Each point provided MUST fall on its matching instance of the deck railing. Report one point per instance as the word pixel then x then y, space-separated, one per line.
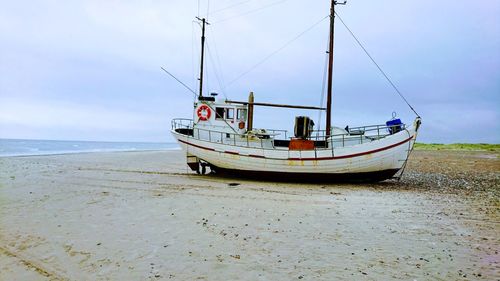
pixel 358 135
pixel 265 139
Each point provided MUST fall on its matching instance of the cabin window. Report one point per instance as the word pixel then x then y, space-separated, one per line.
pixel 241 114
pixel 219 112
pixel 230 113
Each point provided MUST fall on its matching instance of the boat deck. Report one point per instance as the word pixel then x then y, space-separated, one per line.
pixel 280 140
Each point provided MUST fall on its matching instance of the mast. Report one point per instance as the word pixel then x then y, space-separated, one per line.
pixel 203 23
pixel 330 67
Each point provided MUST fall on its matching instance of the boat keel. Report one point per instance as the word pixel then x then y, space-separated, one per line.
pixel 309 177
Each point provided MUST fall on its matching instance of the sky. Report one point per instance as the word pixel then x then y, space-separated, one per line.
pixel 90 70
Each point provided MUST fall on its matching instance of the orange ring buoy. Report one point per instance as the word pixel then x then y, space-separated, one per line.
pixel 241 125
pixel 203 112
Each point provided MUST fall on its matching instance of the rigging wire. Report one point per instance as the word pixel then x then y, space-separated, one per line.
pixel 323 88
pixel 376 64
pixel 208 8
pixel 276 51
pixel 185 86
pixel 219 65
pixel 206 81
pixel 194 53
pixel 229 7
pixel 220 73
pixel 214 67
pixel 251 11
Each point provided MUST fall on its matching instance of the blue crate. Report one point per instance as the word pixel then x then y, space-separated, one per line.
pixel 394 125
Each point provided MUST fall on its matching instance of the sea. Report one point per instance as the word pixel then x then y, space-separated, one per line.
pixel 21 147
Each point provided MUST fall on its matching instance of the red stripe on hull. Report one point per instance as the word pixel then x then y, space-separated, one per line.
pixel 308 159
pixel 198 146
pixel 257 156
pixel 353 155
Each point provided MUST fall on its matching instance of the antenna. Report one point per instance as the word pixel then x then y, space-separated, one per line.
pixel 203 23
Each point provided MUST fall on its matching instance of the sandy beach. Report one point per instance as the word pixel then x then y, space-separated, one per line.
pixel 145 216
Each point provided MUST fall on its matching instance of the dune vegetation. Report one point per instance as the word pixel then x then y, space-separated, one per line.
pixel 458 146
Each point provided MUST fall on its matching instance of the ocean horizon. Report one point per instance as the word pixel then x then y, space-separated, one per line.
pixel 31 147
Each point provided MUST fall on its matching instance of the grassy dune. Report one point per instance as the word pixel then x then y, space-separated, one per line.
pixel 458 146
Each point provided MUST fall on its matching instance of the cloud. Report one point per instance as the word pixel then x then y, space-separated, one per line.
pixel 91 69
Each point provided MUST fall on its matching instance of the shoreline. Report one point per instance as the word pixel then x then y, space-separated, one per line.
pixel 90 152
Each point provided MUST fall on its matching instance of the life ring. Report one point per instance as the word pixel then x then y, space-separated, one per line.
pixel 241 125
pixel 203 112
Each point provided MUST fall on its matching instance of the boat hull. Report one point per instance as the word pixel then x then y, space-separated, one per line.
pixel 372 161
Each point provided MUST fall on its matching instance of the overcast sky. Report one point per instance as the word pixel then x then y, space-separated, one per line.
pixel 90 70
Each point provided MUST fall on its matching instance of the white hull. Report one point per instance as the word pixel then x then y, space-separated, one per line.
pixel 386 155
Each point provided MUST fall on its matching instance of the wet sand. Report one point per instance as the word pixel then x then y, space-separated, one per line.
pixel 144 216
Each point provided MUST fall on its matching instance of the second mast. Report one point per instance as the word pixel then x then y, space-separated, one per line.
pixel 203 23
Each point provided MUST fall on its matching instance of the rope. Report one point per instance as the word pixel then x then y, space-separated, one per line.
pixel 206 80
pixel 376 64
pixel 410 149
pixel 214 67
pixel 208 9
pixel 275 52
pixel 229 7
pixel 219 65
pixel 251 11
pixel 171 75
pixel 323 87
pixel 194 54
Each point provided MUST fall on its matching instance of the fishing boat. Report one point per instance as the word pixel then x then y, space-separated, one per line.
pixel 222 138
